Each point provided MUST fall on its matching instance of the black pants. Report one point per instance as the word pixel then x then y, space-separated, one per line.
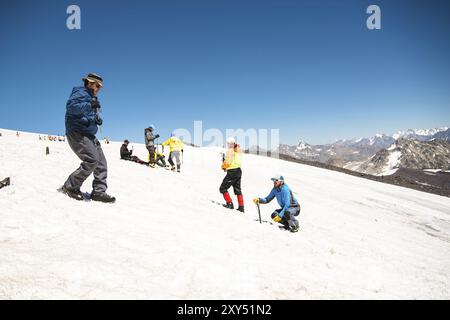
pixel 134 159
pixel 233 178
pixel 288 219
pixel 151 151
pixel 160 161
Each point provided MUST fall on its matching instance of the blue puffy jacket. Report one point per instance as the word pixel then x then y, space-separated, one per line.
pixel 80 117
pixel 284 197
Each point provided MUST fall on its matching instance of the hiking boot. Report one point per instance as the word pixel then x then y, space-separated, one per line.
pixel 173 168
pixel 102 197
pixel 74 194
pixel 294 229
pixel 241 208
pixel 229 205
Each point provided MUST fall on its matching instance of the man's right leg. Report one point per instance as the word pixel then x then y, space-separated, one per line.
pixel 151 151
pixel 172 165
pixel 86 150
pixel 226 184
pixel 176 155
pixel 290 218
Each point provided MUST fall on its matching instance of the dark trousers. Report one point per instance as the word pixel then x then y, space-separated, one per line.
pixel 161 161
pixel 134 159
pixel 289 216
pixel 151 151
pixel 233 178
pixel 90 152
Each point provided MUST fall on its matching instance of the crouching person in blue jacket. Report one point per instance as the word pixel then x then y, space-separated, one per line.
pixel 82 121
pixel 290 208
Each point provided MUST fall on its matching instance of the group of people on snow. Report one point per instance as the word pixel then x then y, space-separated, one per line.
pixel 82 120
pixel 156 158
pixel 52 138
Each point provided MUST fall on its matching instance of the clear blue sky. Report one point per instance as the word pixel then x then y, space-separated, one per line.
pixel 310 68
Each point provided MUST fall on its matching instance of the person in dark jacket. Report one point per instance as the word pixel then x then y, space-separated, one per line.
pixel 290 208
pixel 82 121
pixel 150 138
pixel 126 154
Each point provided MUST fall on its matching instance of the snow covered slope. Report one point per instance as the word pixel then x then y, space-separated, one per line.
pixel 164 238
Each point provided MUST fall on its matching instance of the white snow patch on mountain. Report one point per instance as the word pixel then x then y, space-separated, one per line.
pixel 392 164
pixel 392 147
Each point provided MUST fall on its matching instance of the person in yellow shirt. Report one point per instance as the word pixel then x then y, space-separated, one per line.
pixel 176 146
pixel 232 165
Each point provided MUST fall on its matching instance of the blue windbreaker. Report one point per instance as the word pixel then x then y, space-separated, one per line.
pixel 284 197
pixel 80 117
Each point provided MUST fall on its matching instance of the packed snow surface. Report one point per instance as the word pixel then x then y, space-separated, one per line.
pixel 165 239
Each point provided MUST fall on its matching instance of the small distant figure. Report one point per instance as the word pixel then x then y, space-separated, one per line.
pixel 176 146
pixel 106 141
pixel 40 138
pixel 5 182
pixel 150 138
pixel 47 151
pixel 17 134
pixel 126 154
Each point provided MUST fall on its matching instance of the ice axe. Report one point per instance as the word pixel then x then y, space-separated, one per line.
pixel 259 212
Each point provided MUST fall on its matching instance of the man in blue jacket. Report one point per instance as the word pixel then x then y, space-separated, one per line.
pixel 82 121
pixel 290 208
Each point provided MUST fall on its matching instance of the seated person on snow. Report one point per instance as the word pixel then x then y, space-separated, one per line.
pixel 290 208
pixel 160 159
pixel 125 154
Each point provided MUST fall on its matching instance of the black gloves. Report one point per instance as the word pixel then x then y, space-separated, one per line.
pixel 95 104
pixel 157 136
pixel 98 120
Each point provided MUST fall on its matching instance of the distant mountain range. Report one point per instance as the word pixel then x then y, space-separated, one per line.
pixel 352 153
pixel 418 159
pixel 407 153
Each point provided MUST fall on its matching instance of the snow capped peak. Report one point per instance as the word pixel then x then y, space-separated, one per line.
pixel 302 145
pixel 419 133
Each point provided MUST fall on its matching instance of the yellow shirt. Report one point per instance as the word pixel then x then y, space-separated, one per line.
pixel 233 158
pixel 174 144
